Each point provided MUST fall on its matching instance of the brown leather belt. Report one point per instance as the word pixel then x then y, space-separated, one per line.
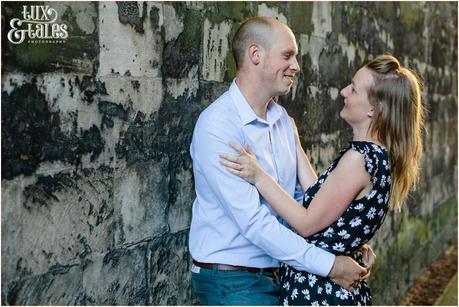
pixel 227 267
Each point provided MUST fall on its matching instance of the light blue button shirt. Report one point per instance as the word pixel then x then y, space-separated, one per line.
pixel 231 223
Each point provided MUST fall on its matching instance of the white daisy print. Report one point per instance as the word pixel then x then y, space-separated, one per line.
pixel 328 288
pixel 306 294
pixel 383 181
pixel 299 278
pixel 371 213
pixel 386 165
pixel 339 247
pixel 329 232
pixel 343 234
pixel 286 286
pixel 372 194
pixel 294 294
pixel 355 222
pixel 319 290
pixel 366 229
pixel 356 242
pixel 312 280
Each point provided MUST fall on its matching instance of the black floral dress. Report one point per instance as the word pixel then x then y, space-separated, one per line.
pixel 354 228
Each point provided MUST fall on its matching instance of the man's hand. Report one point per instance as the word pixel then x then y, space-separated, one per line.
pixel 346 272
pixel 369 259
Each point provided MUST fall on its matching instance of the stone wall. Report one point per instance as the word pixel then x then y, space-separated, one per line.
pixel 97 182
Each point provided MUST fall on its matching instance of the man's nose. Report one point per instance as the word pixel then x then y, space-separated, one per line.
pixel 343 92
pixel 294 65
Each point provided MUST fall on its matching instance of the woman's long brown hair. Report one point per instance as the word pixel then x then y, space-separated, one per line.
pixel 398 123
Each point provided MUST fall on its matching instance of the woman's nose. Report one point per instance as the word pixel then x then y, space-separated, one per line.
pixel 343 91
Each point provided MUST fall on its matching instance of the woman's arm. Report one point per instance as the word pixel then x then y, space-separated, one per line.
pixel 348 179
pixel 305 172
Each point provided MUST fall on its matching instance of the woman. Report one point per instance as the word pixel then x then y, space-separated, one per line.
pixel 345 206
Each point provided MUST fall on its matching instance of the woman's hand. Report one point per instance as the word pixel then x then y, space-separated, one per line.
pixel 245 165
pixel 369 258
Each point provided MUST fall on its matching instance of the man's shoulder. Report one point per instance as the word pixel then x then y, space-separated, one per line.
pixel 220 112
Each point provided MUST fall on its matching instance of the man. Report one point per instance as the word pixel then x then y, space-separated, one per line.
pixel 235 238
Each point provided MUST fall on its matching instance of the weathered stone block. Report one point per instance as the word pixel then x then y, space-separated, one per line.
pixel 117 278
pixel 140 94
pixel 215 50
pixel 61 286
pixel 140 201
pixel 179 213
pixel 170 275
pixel 125 51
pixel 184 52
pixel 55 219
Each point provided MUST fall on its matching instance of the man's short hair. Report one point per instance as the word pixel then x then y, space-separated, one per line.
pixel 252 30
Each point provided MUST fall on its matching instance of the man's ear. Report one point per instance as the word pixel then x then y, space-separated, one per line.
pixel 254 52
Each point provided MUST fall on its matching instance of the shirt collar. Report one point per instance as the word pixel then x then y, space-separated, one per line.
pixel 246 113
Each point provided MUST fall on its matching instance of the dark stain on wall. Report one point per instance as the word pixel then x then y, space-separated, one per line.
pixel 90 87
pixel 181 54
pixel 129 13
pixel 31 134
pixel 109 110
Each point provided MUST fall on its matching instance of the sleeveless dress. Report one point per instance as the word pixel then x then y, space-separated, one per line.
pixel 355 227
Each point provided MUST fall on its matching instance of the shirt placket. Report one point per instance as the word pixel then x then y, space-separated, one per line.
pixel 273 152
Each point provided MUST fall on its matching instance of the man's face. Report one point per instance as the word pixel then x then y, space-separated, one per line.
pixel 280 64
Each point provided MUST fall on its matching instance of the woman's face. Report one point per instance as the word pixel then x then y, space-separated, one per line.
pixel 357 108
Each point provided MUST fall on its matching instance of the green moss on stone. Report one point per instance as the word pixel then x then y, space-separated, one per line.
pixel 417 244
pixel 388 10
pixel 353 12
pixel 411 14
pixel 300 17
pixel 217 12
pixel 336 12
pixel 231 71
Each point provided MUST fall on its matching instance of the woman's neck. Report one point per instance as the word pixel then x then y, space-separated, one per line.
pixel 363 135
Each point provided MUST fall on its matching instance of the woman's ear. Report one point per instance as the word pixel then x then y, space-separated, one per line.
pixel 254 53
pixel 374 110
pixel 371 113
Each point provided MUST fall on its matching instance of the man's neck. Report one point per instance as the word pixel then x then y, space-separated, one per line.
pixel 253 93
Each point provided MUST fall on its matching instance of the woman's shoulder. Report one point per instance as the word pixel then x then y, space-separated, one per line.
pixel 372 154
pixel 366 146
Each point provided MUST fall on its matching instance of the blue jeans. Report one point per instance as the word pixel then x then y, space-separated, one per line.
pixel 214 287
